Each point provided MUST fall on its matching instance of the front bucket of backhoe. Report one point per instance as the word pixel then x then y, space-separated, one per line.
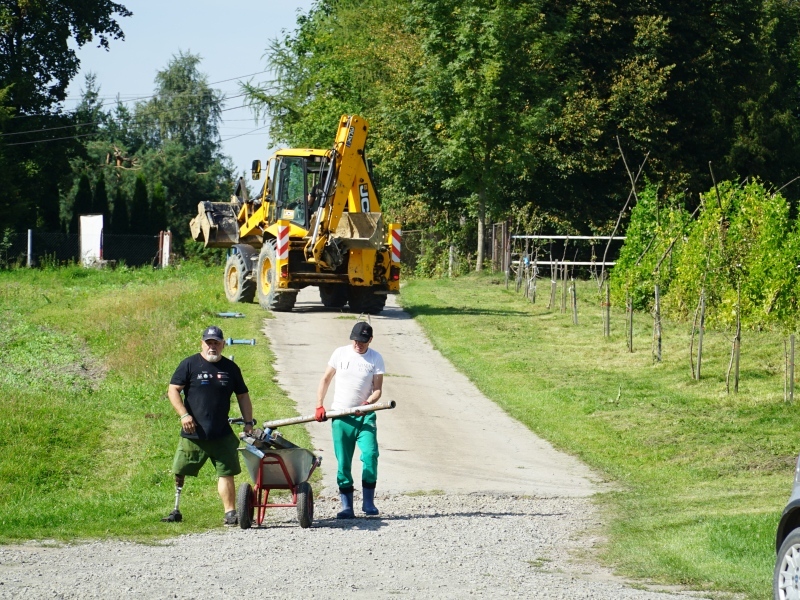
pixel 361 230
pixel 215 225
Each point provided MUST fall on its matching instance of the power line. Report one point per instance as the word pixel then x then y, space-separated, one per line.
pixel 42 129
pixel 246 133
pixel 135 99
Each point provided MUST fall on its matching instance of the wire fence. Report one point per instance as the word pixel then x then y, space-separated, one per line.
pixel 53 249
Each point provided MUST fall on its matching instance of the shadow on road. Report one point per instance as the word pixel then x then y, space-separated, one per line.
pixel 425 309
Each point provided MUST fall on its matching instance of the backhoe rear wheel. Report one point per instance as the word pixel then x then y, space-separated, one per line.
pixel 333 295
pixel 267 279
pixel 238 286
pixel 365 300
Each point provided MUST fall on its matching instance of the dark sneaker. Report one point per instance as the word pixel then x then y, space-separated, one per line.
pixel 231 519
pixel 174 517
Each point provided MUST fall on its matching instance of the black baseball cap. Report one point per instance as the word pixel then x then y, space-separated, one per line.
pixel 362 332
pixel 213 333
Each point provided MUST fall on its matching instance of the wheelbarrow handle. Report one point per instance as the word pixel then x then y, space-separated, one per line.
pixel 332 414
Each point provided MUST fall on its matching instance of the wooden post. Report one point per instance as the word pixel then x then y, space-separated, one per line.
pixel 563 288
pixel 553 277
pixel 657 324
pixel 574 303
pixel 700 332
pixel 629 310
pixel 791 368
pixel 450 261
pixel 607 312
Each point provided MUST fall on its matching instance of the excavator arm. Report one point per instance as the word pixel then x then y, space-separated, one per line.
pixel 349 215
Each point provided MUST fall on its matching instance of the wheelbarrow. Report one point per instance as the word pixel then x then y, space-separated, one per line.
pixel 274 463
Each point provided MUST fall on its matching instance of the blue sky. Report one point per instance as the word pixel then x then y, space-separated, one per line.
pixel 231 36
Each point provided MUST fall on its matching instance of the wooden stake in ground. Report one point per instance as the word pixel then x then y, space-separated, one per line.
pixel 701 332
pixel 563 288
pixel 737 346
pixel 791 368
pixel 629 313
pixel 574 303
pixel 788 371
pixel 700 314
pixel 553 277
pixel 657 326
pixel 607 312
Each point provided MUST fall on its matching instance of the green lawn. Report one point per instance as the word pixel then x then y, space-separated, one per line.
pixel 700 476
pixel 86 431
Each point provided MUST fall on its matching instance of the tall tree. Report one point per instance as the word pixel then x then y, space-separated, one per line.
pixel 100 198
pixel 119 214
pixel 81 203
pixel 140 208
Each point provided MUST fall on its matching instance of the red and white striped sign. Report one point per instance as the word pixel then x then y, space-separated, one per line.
pixel 397 238
pixel 283 242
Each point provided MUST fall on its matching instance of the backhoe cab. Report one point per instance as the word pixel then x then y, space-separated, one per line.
pixel 317 221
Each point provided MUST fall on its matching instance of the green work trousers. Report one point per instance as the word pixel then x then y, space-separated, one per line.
pixel 349 432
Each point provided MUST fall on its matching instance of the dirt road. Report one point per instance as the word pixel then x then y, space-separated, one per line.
pixel 443 435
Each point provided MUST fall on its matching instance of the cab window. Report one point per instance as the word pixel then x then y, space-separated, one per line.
pixel 291 190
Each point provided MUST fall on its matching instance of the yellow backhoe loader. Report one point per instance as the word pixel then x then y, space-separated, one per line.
pixel 317 221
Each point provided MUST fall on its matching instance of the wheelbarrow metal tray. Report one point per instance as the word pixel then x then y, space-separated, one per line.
pixel 298 463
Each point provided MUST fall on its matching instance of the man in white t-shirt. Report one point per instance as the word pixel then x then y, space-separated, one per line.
pixel 358 370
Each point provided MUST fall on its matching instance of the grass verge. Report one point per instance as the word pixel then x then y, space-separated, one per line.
pixel 87 433
pixel 701 475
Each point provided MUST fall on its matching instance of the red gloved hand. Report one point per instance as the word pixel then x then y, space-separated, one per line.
pixel 320 414
pixel 358 413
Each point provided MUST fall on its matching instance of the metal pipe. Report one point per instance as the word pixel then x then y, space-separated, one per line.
pixel 331 414
pixel 231 342
pixel 30 248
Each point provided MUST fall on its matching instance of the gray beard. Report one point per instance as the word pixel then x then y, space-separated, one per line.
pixel 212 358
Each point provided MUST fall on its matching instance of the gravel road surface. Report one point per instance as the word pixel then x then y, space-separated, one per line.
pixel 472 504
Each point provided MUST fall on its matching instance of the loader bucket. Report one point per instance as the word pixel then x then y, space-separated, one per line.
pixel 361 230
pixel 215 225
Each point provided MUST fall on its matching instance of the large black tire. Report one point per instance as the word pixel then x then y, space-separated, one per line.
pixel 239 286
pixel 365 300
pixel 333 295
pixel 244 505
pixel 305 505
pixel 266 279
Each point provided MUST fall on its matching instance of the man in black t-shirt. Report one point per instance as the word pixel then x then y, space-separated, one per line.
pixel 207 381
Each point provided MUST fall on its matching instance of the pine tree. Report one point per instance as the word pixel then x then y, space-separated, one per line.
pixel 120 222
pixel 140 208
pixel 100 199
pixel 81 204
pixel 158 206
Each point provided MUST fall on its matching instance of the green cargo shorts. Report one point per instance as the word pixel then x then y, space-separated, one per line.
pixel 191 455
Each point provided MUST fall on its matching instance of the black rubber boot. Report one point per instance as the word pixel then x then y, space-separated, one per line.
pixel 347 506
pixel 368 504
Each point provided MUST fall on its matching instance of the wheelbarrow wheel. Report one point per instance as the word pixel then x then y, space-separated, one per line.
pixel 244 505
pixel 305 505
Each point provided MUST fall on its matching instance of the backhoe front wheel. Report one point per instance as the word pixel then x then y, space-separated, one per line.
pixel 238 286
pixel 267 280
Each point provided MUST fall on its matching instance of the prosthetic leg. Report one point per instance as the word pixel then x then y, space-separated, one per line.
pixel 175 516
